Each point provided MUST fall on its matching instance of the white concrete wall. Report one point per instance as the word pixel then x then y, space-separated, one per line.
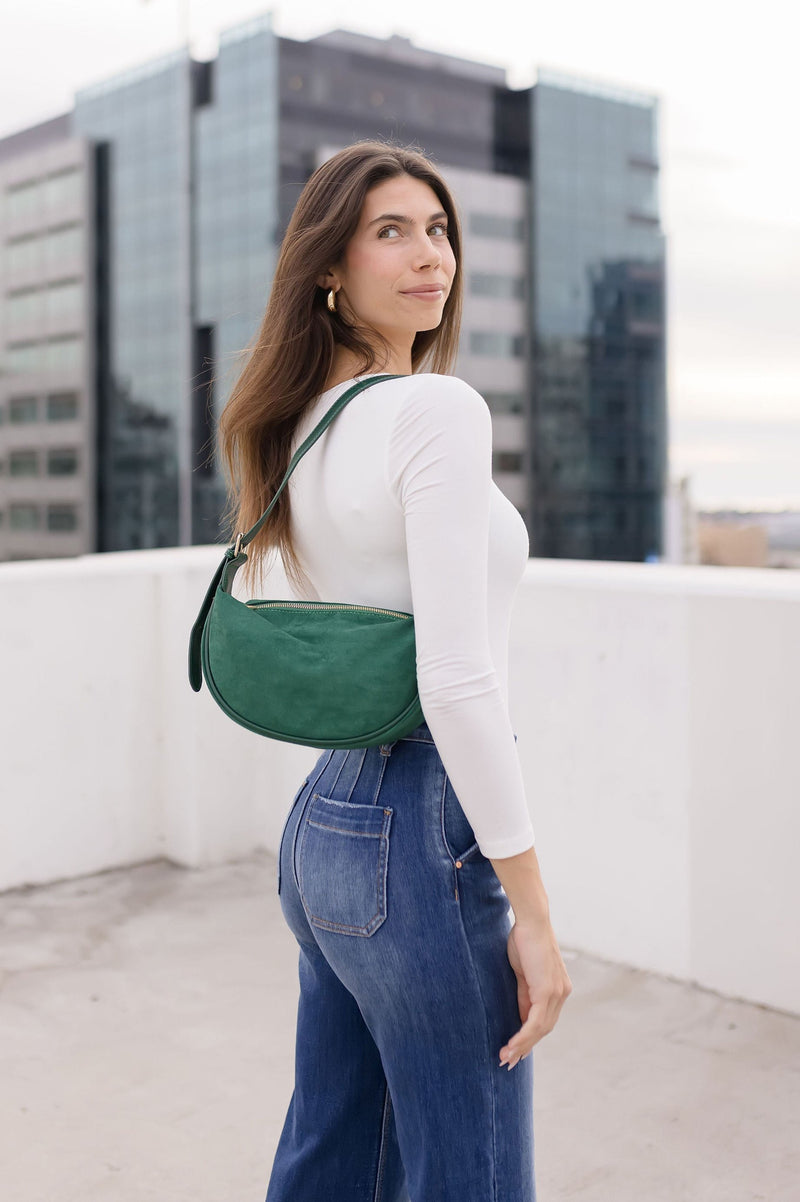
pixel 656 708
pixel 659 707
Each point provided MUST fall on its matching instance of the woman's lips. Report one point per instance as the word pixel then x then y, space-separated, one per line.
pixel 432 292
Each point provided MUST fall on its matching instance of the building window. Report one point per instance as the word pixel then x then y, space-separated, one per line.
pixel 23 254
pixel 637 218
pixel 63 301
pixel 493 225
pixel 642 161
pixel 25 357
pixel 507 287
pixel 64 354
pixel 59 354
pixel 507 461
pixel 64 189
pixel 24 517
pixel 22 409
pixel 62 406
pixel 62 518
pixel 62 461
pixel 62 247
pixel 505 402
pixel 496 343
pixel 24 199
pixel 23 463
pixel 25 307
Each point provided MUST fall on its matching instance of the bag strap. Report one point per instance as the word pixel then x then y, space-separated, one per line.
pixel 243 539
pixel 234 556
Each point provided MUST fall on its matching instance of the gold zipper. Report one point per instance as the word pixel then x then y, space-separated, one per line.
pixel 397 613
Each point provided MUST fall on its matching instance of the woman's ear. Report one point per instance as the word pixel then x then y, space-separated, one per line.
pixel 328 280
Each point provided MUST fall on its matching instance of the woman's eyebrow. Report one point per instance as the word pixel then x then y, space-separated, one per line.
pixel 400 219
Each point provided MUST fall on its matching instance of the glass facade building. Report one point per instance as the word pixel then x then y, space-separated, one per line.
pixel 187 187
pixel 139 123
pixel 236 196
pixel 47 305
pixel 597 271
pixel 341 87
pixel 196 167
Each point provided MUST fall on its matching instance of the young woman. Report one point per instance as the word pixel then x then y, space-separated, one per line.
pixel 397 865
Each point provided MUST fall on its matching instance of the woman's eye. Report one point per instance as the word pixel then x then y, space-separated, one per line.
pixel 441 227
pixel 387 229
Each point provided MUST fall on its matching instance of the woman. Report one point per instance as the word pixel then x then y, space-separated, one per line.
pixel 398 863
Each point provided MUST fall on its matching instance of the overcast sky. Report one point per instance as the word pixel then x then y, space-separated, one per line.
pixel 727 78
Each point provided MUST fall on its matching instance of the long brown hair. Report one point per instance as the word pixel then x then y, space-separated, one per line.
pixel 290 358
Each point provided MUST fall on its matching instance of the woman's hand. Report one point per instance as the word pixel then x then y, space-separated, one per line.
pixel 543 986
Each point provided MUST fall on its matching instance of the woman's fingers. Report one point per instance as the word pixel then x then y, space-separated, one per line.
pixel 543 986
pixel 540 1021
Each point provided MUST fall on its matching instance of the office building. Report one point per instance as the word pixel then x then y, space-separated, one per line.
pixel 48 394
pixel 192 171
pixel 598 406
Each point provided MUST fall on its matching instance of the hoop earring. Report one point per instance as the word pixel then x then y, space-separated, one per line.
pixel 332 301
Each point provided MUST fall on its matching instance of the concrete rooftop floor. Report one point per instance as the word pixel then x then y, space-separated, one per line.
pixel 147 1024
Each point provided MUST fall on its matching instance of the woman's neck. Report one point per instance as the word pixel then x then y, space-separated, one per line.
pixel 346 364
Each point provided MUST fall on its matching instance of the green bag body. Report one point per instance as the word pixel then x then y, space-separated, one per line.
pixel 321 673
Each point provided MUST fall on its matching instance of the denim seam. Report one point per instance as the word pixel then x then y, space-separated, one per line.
pixel 300 819
pixel 352 788
pixel 387 1106
pixel 444 836
pixel 295 800
pixel 480 991
pixel 343 830
pixel 494 1197
pixel 339 773
pixel 468 852
pixel 349 806
pixel 376 794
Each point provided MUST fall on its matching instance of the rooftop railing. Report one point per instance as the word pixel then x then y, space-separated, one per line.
pixel 656 708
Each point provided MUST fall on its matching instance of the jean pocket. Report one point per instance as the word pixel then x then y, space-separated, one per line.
pixel 295 800
pixel 342 865
pixel 458 835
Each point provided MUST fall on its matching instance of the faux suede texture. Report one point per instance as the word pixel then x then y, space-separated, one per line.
pixel 323 674
pixel 313 672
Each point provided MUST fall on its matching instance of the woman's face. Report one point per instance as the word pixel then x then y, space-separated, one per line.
pixel 398 268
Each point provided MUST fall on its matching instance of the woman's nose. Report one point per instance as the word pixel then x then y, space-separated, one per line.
pixel 427 254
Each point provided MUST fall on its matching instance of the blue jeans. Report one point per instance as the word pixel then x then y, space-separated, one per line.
pixel 406 992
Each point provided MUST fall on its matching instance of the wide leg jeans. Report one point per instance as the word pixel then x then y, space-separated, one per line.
pixel 406 992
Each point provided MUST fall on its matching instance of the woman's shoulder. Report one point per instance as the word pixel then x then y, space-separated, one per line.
pixel 436 395
pixel 438 416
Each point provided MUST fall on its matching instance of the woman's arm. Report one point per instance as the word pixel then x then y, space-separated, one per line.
pixel 439 470
pixel 439 466
pixel 522 881
pixel 543 984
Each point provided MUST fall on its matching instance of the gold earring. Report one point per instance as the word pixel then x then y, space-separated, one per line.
pixel 332 301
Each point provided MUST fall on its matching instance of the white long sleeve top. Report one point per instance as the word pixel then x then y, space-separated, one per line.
pixel 394 505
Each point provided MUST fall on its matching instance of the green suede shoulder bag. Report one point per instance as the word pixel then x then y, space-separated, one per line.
pixel 322 673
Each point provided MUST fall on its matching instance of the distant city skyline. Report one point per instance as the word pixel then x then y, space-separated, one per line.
pixel 730 189
pixel 751 465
